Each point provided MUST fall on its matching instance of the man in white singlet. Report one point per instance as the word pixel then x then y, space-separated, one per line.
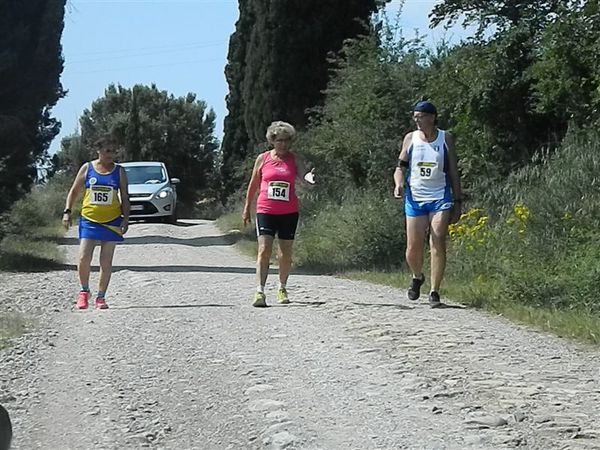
pixel 427 179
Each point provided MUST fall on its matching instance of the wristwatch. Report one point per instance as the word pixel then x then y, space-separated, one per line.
pixel 67 211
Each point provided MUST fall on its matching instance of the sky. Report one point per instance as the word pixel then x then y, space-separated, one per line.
pixel 179 45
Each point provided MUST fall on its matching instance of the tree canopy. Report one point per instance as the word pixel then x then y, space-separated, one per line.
pixel 152 125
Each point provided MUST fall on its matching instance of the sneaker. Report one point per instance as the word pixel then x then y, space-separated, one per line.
pixel 414 291
pixel 282 296
pixel 82 300
pixel 260 300
pixel 434 300
pixel 100 303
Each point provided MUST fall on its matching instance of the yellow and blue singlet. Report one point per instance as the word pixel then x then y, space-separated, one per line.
pixel 101 213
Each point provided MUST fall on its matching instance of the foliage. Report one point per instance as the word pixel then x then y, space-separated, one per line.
pixel 153 126
pixel 363 231
pixel 355 138
pixel 30 66
pixel 278 67
pixel 72 155
pixel 542 248
pixel 30 230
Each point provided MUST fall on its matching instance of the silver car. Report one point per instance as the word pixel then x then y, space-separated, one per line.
pixel 151 192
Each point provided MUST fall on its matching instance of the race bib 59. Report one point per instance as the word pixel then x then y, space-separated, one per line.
pixel 426 168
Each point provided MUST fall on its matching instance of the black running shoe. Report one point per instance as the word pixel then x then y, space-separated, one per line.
pixel 414 291
pixel 434 300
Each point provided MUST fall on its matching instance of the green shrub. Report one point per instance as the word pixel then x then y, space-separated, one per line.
pixel 542 248
pixel 32 227
pixel 364 231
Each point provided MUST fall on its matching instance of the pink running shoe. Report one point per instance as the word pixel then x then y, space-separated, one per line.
pixel 100 303
pixel 82 300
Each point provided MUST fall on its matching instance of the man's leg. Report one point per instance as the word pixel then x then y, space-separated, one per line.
pixel 416 231
pixel 437 242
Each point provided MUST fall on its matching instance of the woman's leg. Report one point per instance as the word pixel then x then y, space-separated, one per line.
pixel 285 259
pixel 285 265
pixel 107 251
pixel 265 248
pixel 86 252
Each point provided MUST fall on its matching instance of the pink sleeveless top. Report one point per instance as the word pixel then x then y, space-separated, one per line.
pixel 278 186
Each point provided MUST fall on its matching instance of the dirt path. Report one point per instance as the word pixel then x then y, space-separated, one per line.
pixel 182 361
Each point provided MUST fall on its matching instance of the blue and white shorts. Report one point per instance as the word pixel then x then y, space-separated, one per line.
pixel 417 209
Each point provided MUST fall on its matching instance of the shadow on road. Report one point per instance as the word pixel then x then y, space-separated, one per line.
pixel 184 269
pixel 448 306
pixel 204 241
pixel 204 305
pixel 299 303
pixel 181 224
pixel 384 305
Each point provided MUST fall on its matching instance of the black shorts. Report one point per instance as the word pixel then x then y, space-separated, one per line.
pixel 284 225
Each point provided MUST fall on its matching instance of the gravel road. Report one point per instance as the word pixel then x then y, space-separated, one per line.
pixel 182 361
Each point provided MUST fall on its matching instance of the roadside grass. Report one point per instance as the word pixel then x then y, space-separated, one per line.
pixel 31 230
pixel 244 237
pixel 578 324
pixel 35 252
pixel 29 236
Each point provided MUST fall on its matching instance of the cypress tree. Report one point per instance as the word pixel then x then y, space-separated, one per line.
pixel 278 68
pixel 30 66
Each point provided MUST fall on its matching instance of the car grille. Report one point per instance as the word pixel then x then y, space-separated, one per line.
pixel 139 195
pixel 149 208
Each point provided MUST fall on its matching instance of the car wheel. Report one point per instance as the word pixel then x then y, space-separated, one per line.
pixel 172 219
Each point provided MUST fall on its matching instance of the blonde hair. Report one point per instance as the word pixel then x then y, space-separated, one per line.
pixel 278 129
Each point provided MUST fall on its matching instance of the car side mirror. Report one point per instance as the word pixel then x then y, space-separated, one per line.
pixel 175 181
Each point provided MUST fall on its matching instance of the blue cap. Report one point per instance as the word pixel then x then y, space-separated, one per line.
pixel 426 107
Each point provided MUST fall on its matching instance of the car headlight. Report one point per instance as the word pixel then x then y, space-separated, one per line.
pixel 164 194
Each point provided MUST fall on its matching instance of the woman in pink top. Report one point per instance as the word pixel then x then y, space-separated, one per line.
pixel 274 178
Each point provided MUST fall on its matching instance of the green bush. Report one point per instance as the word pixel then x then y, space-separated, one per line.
pixel 40 211
pixel 542 248
pixel 364 231
pixel 30 230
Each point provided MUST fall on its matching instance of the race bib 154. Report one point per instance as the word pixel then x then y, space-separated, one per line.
pixel 279 190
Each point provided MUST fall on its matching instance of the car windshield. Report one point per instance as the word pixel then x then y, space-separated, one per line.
pixel 145 174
